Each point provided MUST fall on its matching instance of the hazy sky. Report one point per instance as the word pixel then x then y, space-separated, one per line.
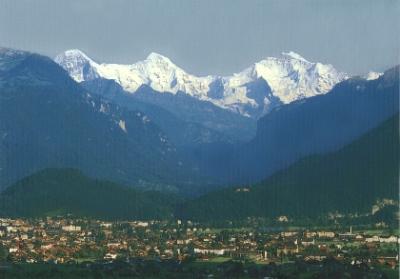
pixel 209 37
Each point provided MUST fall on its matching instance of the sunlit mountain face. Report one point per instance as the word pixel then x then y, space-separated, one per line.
pixel 251 92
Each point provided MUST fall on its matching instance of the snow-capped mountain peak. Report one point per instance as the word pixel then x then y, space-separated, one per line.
pixel 293 55
pixel 252 92
pixel 77 54
pixel 292 77
pixel 154 56
pixel 79 66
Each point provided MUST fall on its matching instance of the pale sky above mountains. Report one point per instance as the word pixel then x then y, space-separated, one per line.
pixel 209 37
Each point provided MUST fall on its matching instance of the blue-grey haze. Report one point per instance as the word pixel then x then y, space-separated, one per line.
pixel 209 37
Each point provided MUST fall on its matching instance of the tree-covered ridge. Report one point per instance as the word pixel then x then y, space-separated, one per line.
pixel 64 191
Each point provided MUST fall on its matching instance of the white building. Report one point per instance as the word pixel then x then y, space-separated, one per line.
pixel 71 228
pixel 390 239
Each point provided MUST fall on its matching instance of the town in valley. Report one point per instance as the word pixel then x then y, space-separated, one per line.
pixel 92 244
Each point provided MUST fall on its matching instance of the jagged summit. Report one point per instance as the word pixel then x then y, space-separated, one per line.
pixel 77 64
pixel 293 55
pixel 289 78
pixel 73 54
pixel 154 56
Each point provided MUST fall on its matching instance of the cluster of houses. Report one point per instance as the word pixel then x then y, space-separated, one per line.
pixel 63 240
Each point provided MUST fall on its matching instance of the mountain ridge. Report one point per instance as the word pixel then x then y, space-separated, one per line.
pixel 315 125
pixel 49 120
pixel 68 191
pixel 290 77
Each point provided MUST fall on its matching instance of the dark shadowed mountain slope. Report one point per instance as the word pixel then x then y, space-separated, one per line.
pixel 48 120
pixel 349 180
pixel 315 125
pixel 234 126
pixel 181 132
pixel 66 191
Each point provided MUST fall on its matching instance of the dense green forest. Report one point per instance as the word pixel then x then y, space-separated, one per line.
pixel 62 191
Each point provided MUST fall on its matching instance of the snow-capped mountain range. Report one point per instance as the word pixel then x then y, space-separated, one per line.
pixel 261 87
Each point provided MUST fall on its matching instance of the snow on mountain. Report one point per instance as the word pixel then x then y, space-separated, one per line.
pixel 372 75
pixel 156 71
pixel 289 78
pixel 292 77
pixel 79 66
